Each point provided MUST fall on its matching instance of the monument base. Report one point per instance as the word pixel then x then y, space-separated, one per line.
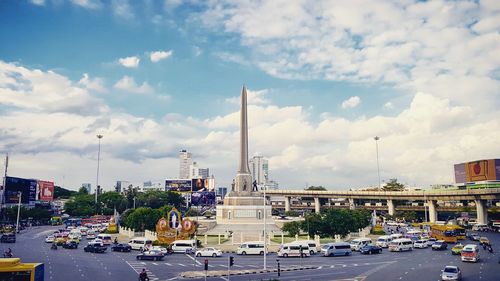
pixel 243 214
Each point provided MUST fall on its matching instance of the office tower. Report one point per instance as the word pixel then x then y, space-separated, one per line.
pixel 185 161
pixel 259 168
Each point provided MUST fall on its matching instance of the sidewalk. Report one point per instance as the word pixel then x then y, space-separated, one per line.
pixel 222 273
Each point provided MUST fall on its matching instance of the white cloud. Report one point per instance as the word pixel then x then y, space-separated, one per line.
pixel 351 102
pixel 197 51
pixel 88 4
pixel 38 2
pixel 253 97
pixel 122 8
pixel 160 55
pixel 388 105
pixel 96 84
pixel 130 62
pixel 128 84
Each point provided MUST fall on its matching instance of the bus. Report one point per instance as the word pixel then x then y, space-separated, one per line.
pixel 444 232
pixel 13 269
pixel 459 231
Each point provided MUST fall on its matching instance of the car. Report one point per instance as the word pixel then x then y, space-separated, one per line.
pixel 471 235
pixel 8 238
pixel 50 239
pixel 97 242
pixel 457 249
pixel 484 241
pixel 94 248
pixel 208 252
pixel 431 241
pixel 70 245
pixel 60 241
pixel 150 255
pixel 121 248
pixel 370 249
pixel 439 245
pixel 451 272
pixel 91 236
pixel 420 244
pixel 163 250
pixel 475 237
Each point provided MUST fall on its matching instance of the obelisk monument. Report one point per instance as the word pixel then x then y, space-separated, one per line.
pixel 243 204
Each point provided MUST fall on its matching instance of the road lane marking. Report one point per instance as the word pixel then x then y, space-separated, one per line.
pixel 168 264
pixel 197 261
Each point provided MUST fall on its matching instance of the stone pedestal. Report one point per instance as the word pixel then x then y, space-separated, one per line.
pixel 244 209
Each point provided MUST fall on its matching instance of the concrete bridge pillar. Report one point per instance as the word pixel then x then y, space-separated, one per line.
pixel 287 203
pixel 317 205
pixel 482 211
pixel 391 207
pixel 352 206
pixel 432 210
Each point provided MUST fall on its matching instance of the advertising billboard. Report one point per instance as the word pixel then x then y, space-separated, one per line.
pixel 203 198
pixel 481 170
pixel 203 184
pixel 46 189
pixel 179 185
pixel 28 188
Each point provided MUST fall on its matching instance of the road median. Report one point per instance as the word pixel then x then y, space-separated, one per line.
pixel 222 273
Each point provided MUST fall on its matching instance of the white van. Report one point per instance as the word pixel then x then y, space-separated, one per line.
pixel 396 236
pixel 183 246
pixel 140 243
pixel 293 250
pixel 251 248
pixel 106 238
pixel 83 230
pixel 336 249
pixel 400 245
pixel 309 243
pixel 359 243
pixel 383 241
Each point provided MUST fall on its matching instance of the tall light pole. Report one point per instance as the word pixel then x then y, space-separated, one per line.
pixel 99 137
pixel 376 138
pixel 265 236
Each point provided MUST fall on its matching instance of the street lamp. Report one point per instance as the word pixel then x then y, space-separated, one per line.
pixel 265 236
pixel 376 138
pixel 99 137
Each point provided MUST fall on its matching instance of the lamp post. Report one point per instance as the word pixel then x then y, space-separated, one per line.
pixel 265 236
pixel 99 137
pixel 376 138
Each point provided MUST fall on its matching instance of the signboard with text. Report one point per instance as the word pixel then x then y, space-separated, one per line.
pixel 179 185
pixel 46 189
pixel 27 187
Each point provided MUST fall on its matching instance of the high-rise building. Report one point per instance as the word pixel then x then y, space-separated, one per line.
pixel 259 168
pixel 121 186
pixel 87 186
pixel 185 161
pixel 196 172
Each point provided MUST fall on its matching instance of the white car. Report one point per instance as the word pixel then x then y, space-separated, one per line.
pixel 50 239
pixel 97 241
pixel 161 249
pixel 421 244
pixel 91 236
pixel 208 252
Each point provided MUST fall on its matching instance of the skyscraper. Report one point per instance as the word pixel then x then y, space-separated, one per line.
pixel 185 161
pixel 259 168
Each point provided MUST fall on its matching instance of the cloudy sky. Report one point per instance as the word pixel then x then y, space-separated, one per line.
pixel 324 78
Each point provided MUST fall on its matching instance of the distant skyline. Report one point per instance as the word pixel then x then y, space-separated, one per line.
pixel 324 78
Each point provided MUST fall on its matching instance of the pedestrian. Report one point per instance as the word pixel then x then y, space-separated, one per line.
pixel 484 246
pixel 490 249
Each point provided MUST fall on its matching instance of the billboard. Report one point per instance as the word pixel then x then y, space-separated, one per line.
pixel 46 189
pixel 203 184
pixel 481 170
pixel 179 185
pixel 203 198
pixel 28 188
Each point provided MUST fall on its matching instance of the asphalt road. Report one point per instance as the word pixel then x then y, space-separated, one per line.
pixel 419 264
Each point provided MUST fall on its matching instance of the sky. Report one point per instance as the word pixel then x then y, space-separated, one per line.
pixel 324 78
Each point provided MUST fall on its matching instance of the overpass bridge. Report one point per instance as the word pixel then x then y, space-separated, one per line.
pixel 430 197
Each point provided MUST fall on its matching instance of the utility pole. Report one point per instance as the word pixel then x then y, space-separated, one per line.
pixel 97 180
pixel 376 138
pixel 2 199
pixel 18 211
pixel 265 236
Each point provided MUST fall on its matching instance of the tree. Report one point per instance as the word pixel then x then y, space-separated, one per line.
pixel 316 188
pixel 156 199
pixel 83 190
pixel 143 218
pixel 313 224
pixel 293 228
pixel 393 185
pixel 291 213
pixel 81 205
pixel 130 193
pixel 64 193
pixel 112 200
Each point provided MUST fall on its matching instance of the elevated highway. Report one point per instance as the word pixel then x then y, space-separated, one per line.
pixel 429 197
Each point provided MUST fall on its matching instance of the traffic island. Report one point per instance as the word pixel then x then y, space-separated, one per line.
pixel 222 273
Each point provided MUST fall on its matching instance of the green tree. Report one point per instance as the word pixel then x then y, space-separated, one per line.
pixel 313 224
pixel 291 213
pixel 63 193
pixel 143 218
pixel 393 185
pixel 81 205
pixel 293 228
pixel 130 193
pixel 112 200
pixel 156 199
pixel 83 190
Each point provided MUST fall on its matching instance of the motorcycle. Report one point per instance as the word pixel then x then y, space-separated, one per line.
pixel 53 247
pixel 7 255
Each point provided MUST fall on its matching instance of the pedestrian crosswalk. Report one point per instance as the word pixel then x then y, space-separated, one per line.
pixel 139 266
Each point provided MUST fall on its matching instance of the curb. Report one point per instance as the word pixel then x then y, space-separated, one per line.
pixel 198 274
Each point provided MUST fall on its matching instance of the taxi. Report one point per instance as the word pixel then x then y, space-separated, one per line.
pixel 484 241
pixel 457 249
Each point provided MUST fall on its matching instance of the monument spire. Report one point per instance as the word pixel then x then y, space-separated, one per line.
pixel 243 168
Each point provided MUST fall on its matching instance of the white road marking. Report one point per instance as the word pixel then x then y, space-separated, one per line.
pixel 197 261
pixel 181 264
pixel 168 264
